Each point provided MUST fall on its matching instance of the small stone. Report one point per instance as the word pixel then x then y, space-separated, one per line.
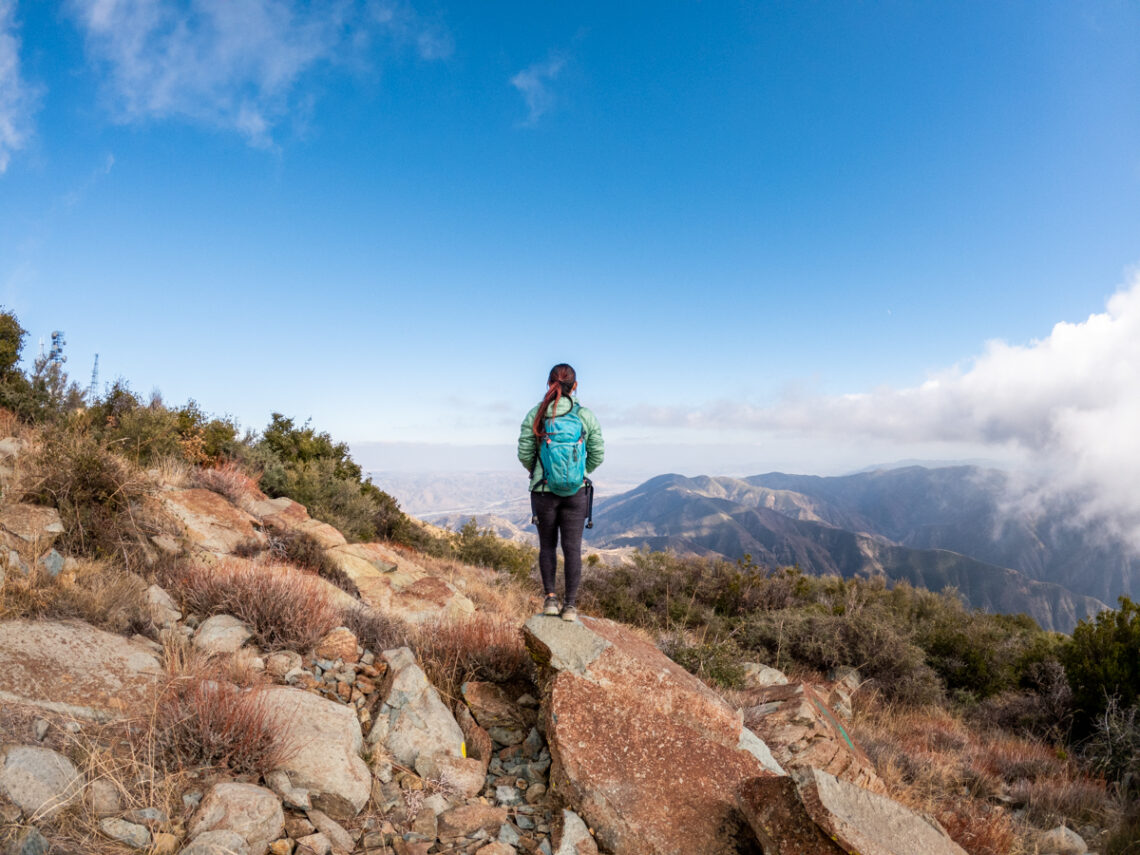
pixel 535 793
pixel 317 843
pixel 1061 841
pixel 284 846
pixel 40 729
pixel 191 800
pixel 280 664
pixel 334 831
pixel 164 843
pixel 149 816
pixel 298 826
pixel 135 836
pixel 507 795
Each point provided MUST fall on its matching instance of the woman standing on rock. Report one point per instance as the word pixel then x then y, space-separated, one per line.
pixel 560 442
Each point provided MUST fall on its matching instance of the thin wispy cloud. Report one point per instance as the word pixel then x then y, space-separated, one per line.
pixel 1070 403
pixel 18 99
pixel 533 83
pixel 239 65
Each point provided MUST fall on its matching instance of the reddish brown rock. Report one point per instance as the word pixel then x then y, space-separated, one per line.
pixel 476 739
pixel 648 755
pixel 339 643
pixel 802 729
pixel 465 820
pixel 210 521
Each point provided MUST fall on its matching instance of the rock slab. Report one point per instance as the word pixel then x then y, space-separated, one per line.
pixel 642 750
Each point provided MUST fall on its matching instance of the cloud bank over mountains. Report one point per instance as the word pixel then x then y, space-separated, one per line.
pixel 1068 403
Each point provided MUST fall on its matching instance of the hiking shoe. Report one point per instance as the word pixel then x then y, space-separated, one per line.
pixel 550 607
pixel 569 613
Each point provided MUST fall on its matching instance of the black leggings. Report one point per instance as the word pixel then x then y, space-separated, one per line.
pixel 565 514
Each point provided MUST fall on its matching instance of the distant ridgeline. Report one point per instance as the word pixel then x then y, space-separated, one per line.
pixel 952 526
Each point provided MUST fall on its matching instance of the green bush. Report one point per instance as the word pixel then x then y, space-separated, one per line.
pixel 1103 664
pixel 484 548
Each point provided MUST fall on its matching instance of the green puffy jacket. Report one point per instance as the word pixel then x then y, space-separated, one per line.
pixel 528 443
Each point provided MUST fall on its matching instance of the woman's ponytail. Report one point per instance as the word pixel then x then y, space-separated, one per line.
pixel 560 383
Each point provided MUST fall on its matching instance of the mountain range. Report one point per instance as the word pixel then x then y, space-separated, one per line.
pixel 960 526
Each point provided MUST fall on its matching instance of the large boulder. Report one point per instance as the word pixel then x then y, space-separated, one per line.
pixel 327 743
pixel 395 585
pixel 210 521
pixel 74 668
pixel 413 719
pixel 40 781
pixel 813 813
pixel 648 755
pixel 283 514
pixel 30 525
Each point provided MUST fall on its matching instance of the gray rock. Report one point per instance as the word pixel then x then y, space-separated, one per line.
pixel 134 836
pixel 219 842
pixel 757 676
pixel 252 812
pixel 148 816
pixel 573 837
pixel 331 829
pixel 161 607
pixel 293 797
pixel 51 563
pixel 40 729
pixel 413 718
pixel 103 798
pixel 328 744
pixel 1061 841
pixel 29 842
pixel 221 634
pixel 462 774
pixel 40 781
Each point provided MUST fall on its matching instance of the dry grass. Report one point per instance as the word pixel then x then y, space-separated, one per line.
pixel 479 647
pixel 489 590
pixel 230 480
pixel 934 763
pixel 170 471
pixel 285 607
pixel 376 631
pixel 99 592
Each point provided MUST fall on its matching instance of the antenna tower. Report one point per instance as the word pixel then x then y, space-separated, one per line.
pixel 55 355
pixel 93 389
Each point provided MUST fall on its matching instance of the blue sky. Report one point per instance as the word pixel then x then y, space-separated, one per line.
pixel 808 236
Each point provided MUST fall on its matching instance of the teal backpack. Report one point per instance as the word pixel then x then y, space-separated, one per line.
pixel 562 453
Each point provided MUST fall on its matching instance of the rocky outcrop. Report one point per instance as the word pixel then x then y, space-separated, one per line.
pixel 210 522
pixel 648 755
pixel 396 585
pixel 73 668
pixel 802 727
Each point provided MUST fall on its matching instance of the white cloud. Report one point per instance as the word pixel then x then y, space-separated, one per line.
pixel 233 64
pixel 533 84
pixel 1069 403
pixel 17 98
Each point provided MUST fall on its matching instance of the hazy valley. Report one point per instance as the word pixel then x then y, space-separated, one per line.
pixel 961 526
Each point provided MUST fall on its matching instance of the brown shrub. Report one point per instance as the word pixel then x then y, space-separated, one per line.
pixel 230 480
pixel 305 551
pixel 977 827
pixel 376 631
pixel 283 606
pixel 207 722
pixel 479 647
